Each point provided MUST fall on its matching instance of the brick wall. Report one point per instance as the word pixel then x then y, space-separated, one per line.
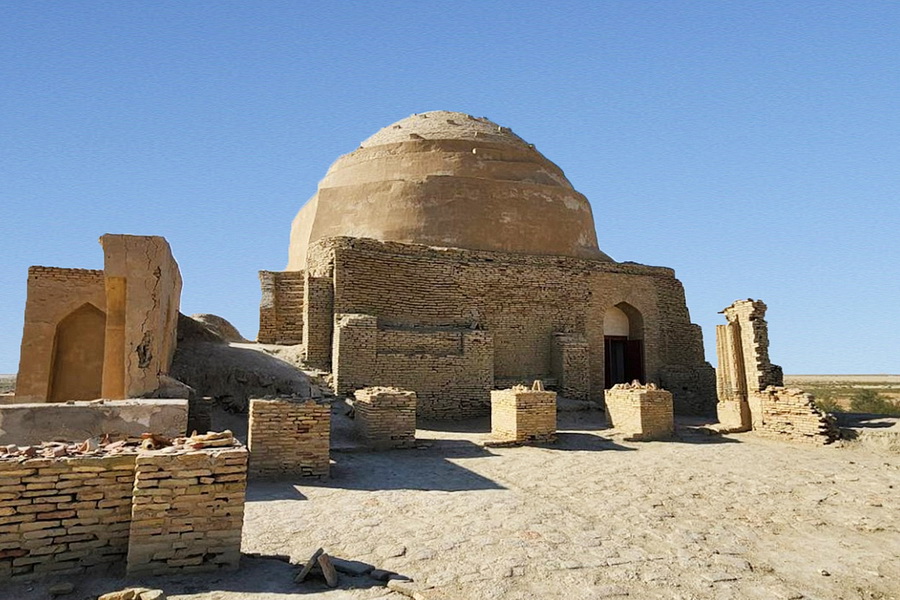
pixel 53 293
pixel 157 512
pixel 63 516
pixel 640 412
pixel 289 436
pixel 522 301
pixel 386 417
pixel 523 415
pixel 318 323
pixel 571 365
pixel 281 307
pixel 450 369
pixel 791 414
pixel 188 511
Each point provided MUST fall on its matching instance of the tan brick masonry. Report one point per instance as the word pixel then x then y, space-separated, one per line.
pixel 188 511
pixel 172 510
pixel 641 412
pixel 386 417
pixel 289 437
pixel 521 415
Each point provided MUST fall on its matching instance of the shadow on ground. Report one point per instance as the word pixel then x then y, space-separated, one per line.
pixel 413 469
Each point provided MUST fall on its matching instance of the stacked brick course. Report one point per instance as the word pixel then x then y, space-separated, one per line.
pixel 571 365
pixel 521 415
pixel 173 510
pixel 63 516
pixel 791 413
pixel 386 417
pixel 289 437
pixel 450 369
pixel 640 412
pixel 188 511
pixel 281 307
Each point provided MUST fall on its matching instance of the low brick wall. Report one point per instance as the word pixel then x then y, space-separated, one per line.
pixel 188 511
pixel 522 415
pixel 64 516
pixel 157 512
pixel 640 412
pixel 29 424
pixel 289 437
pixel 791 414
pixel 386 417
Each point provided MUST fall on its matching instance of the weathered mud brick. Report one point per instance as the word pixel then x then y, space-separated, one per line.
pixel 188 525
pixel 386 417
pixel 522 415
pixel 641 412
pixel 289 437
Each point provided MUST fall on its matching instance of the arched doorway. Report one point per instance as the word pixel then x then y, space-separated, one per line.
pixel 623 341
pixel 77 368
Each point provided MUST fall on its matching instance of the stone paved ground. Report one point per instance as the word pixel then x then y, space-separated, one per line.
pixel 591 517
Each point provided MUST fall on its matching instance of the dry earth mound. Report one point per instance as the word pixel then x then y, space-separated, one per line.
pixel 207 363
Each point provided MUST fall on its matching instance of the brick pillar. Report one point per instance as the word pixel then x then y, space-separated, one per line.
pixel 354 347
pixel 289 436
pixel 640 412
pixel 318 303
pixel 386 417
pixel 520 415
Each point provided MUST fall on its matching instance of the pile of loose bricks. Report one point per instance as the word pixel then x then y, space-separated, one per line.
pixel 640 412
pixel 520 415
pixel 791 413
pixel 168 511
pixel 289 436
pixel 386 417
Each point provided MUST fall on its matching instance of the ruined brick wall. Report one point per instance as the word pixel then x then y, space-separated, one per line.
pixel 281 307
pixel 450 369
pixel 522 415
pixel 289 436
pixel 751 332
pixel 522 301
pixel 386 417
pixel 188 511
pixel 158 512
pixel 791 414
pixel 53 294
pixel 64 516
pixel 742 349
pixel 571 365
pixel 110 333
pixel 640 412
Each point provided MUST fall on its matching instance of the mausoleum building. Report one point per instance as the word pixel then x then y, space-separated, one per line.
pixel 447 256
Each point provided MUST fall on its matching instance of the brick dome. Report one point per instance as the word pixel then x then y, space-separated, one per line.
pixel 448 179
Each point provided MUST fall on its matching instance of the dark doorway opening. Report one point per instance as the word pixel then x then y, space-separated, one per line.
pixel 624 360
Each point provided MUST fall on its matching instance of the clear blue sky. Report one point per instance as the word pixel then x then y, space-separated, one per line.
pixel 752 146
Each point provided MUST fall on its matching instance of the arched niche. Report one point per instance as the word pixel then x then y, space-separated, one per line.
pixel 623 335
pixel 77 368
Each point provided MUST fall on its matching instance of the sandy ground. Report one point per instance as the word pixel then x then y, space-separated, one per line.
pixel 591 516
